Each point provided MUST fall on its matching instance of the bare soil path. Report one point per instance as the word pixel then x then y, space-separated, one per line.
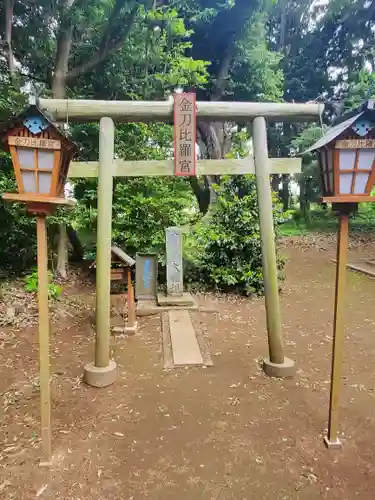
pixel 226 432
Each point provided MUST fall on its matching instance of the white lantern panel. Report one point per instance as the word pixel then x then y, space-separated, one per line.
pixel 361 179
pixel 45 159
pixel 366 158
pixel 28 179
pixel 347 159
pixel 346 183
pixel 45 179
pixel 25 158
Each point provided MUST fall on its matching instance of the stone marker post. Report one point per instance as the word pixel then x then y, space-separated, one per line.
pixel 175 282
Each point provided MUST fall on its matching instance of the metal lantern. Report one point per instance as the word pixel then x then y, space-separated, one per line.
pixel 40 155
pixel 346 155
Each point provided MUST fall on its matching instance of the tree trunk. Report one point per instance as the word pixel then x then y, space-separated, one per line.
pixel 304 202
pixel 59 83
pixel 58 92
pixel 78 250
pixel 62 252
pixel 214 143
pixel 285 194
pixel 275 183
pixel 9 4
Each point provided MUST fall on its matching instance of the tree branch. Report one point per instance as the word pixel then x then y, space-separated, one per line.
pixel 202 194
pixel 106 50
pixel 9 4
pixel 64 44
pixel 111 21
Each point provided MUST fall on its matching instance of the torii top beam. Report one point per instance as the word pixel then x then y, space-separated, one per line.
pixel 84 110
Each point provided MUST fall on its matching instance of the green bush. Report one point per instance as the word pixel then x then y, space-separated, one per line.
pixel 31 285
pixel 224 252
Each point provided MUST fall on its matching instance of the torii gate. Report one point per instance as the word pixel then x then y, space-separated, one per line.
pixel 103 371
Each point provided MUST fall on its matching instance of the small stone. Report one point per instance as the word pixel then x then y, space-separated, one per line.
pixel 19 308
pixel 5 484
pixel 118 434
pixel 11 312
pixel 118 329
pixel 41 490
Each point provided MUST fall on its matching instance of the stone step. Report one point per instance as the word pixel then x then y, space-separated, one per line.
pixel 361 266
pixel 185 347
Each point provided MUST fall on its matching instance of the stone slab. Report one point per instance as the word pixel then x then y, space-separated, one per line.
pixel 185 346
pixel 362 266
pixel 184 300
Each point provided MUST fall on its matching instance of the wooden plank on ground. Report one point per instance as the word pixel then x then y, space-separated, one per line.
pixel 185 346
pixel 166 167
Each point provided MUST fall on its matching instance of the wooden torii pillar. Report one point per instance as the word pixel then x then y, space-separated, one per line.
pixel 107 167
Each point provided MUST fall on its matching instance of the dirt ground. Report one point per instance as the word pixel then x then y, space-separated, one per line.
pixel 226 432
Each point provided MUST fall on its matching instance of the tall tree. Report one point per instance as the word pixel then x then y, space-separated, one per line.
pixel 242 67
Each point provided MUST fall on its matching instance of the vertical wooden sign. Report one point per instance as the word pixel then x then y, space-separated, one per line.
pixel 185 131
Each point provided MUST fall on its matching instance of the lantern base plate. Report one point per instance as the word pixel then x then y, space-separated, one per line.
pixel 280 370
pixel 332 445
pixel 348 198
pixel 37 203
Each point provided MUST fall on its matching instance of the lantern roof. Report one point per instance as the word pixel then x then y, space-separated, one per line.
pixel 36 122
pixel 366 112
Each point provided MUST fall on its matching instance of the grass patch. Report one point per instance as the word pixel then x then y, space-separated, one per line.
pixel 325 221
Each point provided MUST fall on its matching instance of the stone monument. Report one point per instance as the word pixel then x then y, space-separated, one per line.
pixel 175 295
pixel 173 240
pixel 146 276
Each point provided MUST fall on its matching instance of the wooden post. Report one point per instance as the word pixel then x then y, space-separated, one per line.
pixel 103 371
pixel 132 320
pixel 45 395
pixel 276 365
pixel 332 440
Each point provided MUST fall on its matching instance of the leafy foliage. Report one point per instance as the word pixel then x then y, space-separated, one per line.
pixel 31 285
pixel 228 254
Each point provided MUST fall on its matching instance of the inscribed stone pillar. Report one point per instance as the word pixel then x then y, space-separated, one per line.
pixel 173 239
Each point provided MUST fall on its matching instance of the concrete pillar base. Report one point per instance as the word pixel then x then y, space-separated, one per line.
pixel 281 370
pixel 332 445
pixel 100 376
